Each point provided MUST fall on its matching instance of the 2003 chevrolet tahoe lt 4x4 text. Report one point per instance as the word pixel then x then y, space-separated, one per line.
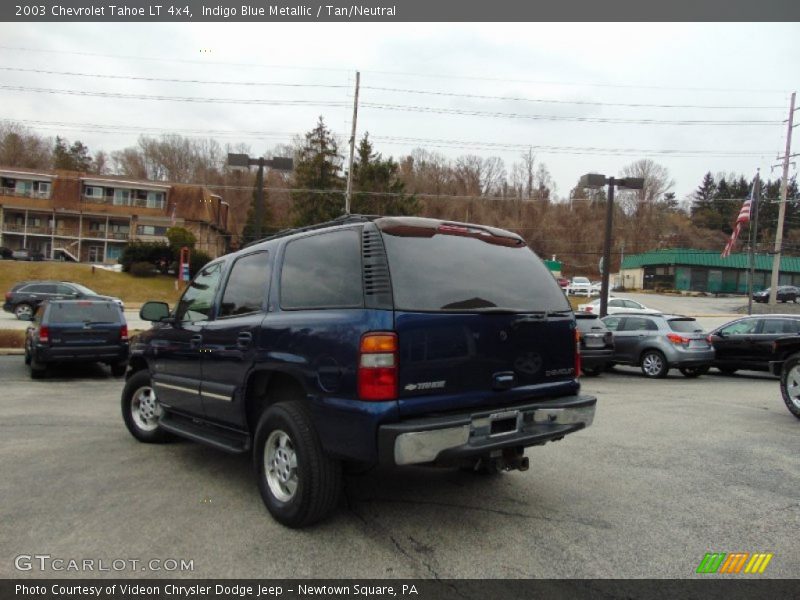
pixel 391 340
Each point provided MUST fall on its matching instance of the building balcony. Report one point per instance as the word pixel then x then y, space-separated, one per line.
pixel 134 202
pixel 6 191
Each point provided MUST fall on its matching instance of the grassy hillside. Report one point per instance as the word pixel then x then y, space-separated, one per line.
pixel 130 289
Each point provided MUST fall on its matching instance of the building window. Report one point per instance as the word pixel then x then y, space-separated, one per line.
pixel 155 199
pixel 96 226
pixel 150 230
pixel 122 197
pixel 93 191
pixel 113 252
pixel 95 253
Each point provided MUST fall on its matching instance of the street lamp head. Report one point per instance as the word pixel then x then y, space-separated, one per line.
pixel 238 161
pixel 281 163
pixel 631 183
pixel 592 180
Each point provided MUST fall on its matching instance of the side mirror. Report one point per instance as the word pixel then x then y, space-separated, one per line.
pixel 154 311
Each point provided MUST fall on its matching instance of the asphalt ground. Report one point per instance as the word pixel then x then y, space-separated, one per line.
pixel 671 469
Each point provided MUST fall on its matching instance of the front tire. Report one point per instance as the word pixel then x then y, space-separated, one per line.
pixel 141 410
pixel 790 384
pixel 692 372
pixel 654 364
pixel 299 483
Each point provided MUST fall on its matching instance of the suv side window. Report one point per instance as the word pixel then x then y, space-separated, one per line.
pixel 246 286
pixel 639 324
pixel 39 288
pixel 323 271
pixel 740 327
pixel 612 323
pixel 198 299
pixel 67 290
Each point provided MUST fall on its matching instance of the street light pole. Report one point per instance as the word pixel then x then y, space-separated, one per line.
pixel 259 208
pixel 594 180
pixel 607 249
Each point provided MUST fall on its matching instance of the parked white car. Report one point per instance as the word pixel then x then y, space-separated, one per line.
pixel 580 286
pixel 616 305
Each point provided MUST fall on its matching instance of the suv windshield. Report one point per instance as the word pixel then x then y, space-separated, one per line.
pixel 455 273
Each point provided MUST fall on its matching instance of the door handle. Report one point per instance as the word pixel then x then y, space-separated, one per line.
pixel 195 341
pixel 244 339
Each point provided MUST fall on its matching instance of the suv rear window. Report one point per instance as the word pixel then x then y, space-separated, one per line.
pixel 456 273
pixel 79 312
pixel 684 325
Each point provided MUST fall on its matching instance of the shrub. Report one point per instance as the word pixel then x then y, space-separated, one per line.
pixel 142 269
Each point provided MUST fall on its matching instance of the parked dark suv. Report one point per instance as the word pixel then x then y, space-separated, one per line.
pixel 26 296
pixel 77 331
pixel 392 341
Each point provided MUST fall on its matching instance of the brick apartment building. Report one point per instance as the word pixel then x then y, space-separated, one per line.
pixel 91 218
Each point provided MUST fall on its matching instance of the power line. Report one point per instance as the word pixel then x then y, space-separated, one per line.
pixel 399 140
pixel 550 101
pixel 437 76
pixel 174 80
pixel 330 103
pixel 385 89
pixel 480 113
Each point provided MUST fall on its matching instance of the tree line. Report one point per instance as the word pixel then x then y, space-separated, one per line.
pixel 521 197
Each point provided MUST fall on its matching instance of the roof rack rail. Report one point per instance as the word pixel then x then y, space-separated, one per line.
pixel 343 220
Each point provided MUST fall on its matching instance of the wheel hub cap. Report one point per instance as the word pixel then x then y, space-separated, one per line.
pixel 793 385
pixel 280 465
pixel 145 409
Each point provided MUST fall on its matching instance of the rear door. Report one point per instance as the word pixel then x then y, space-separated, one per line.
pixel 478 318
pixel 631 337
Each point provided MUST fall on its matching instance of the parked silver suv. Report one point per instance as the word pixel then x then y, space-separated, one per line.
pixel 658 343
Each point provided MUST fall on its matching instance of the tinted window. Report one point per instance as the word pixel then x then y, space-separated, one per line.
pixel 40 288
pixel 586 325
pixel 81 312
pixel 779 326
pixel 615 303
pixel 612 322
pixel 323 271
pixel 684 325
pixel 632 304
pixel 639 324
pixel 449 272
pixel 740 327
pixel 198 299
pixel 66 289
pixel 247 285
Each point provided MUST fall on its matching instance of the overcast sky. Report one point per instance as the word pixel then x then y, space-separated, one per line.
pixel 745 71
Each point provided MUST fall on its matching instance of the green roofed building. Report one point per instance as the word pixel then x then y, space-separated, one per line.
pixel 554 266
pixel 703 271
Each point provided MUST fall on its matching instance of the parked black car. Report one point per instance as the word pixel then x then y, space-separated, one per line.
pixel 6 253
pixel 748 343
pixel 362 341
pixel 597 343
pixel 26 296
pixel 784 293
pixel 82 331
pixel 25 254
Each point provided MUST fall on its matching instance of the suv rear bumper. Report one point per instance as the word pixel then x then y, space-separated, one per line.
pixel 109 354
pixel 451 437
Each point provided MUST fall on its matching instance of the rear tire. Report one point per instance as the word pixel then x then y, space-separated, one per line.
pixel 118 369
pixel 654 364
pixel 38 370
pixel 23 311
pixel 692 372
pixel 299 483
pixel 141 410
pixel 790 384
pixel 592 371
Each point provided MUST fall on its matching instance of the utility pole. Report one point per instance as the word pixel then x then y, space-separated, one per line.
pixel 753 238
pixel 776 261
pixel 352 149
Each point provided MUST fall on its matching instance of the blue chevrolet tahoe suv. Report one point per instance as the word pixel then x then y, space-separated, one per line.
pixel 366 340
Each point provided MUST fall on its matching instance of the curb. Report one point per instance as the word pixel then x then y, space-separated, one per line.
pixel 12 351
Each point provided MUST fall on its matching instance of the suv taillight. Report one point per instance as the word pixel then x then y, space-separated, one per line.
pixel 44 334
pixel 8 296
pixel 123 333
pixel 377 367
pixel 678 339
pixel 577 353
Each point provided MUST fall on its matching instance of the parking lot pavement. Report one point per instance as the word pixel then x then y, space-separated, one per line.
pixel 670 470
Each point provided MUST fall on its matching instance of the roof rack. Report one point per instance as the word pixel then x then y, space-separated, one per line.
pixel 343 220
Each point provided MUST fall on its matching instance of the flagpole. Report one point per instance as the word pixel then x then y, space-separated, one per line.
pixel 751 260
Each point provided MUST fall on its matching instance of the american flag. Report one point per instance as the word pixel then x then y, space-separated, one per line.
pixel 744 217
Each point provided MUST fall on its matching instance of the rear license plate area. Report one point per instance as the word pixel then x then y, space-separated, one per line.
pixel 504 423
pixel 593 342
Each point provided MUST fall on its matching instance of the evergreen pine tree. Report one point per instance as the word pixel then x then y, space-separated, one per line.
pixel 379 188
pixel 317 176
